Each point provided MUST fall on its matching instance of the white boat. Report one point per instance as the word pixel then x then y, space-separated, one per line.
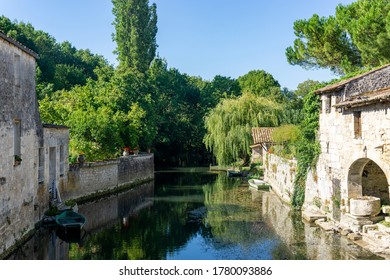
pixel 257 184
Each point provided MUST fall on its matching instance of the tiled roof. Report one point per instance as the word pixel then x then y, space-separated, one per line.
pixel 262 135
pixel 382 95
pixel 341 84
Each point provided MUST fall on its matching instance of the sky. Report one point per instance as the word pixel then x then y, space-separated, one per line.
pixel 201 38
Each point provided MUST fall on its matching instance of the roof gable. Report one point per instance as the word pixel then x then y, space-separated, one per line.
pixel 18 45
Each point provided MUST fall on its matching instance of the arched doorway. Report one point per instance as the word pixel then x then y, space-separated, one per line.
pixel 366 178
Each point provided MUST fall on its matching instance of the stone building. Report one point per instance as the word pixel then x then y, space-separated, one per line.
pixel 262 141
pixel 33 156
pixel 354 135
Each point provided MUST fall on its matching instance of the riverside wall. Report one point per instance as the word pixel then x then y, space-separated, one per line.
pixel 280 174
pixel 94 178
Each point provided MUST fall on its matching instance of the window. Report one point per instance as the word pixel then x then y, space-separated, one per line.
pixel 17 70
pixel 41 165
pixel 17 140
pixel 357 124
pixel 62 163
pixel 328 104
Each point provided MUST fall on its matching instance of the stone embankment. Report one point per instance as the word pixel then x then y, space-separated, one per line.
pixel 373 237
pixel 94 179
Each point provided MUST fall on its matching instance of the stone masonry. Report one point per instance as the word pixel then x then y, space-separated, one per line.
pixel 20 135
pixel 354 135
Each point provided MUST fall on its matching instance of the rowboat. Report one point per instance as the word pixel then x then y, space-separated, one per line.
pixel 234 173
pixel 70 219
pixel 257 184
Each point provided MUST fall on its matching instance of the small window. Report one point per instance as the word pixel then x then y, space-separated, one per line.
pixel 41 165
pixel 17 70
pixel 17 142
pixel 357 124
pixel 328 104
pixel 62 160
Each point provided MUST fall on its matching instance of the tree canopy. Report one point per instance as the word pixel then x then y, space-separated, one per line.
pixel 60 65
pixel 135 33
pixel 229 125
pixel 356 37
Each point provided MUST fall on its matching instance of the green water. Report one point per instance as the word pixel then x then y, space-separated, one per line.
pixel 191 214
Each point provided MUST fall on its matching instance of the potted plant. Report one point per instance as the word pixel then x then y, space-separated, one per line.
pixel 126 151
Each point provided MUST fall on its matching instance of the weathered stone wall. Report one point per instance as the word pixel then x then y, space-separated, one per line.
pixel 96 177
pixel 280 174
pixel 341 166
pixel 18 182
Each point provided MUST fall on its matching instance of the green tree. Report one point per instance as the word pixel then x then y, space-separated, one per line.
pixel 368 24
pixel 102 118
pixel 356 37
pixel 260 83
pixel 229 125
pixel 135 33
pixel 60 65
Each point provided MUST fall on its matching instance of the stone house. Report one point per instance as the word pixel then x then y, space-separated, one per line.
pixel 354 135
pixel 262 141
pixel 33 156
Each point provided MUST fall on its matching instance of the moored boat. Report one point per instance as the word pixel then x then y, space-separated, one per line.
pixel 70 219
pixel 257 184
pixel 234 173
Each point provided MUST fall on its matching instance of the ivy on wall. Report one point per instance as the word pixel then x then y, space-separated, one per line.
pixel 307 147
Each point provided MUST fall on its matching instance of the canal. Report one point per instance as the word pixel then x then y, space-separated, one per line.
pixel 191 214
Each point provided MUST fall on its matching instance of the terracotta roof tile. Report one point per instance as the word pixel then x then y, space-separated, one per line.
pixel 262 135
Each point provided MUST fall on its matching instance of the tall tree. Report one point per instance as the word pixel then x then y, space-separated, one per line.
pixel 229 125
pixel 260 83
pixel 357 37
pixel 135 33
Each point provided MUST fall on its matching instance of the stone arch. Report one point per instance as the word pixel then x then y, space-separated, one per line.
pixel 367 178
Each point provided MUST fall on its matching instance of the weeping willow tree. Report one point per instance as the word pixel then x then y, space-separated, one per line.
pixel 229 126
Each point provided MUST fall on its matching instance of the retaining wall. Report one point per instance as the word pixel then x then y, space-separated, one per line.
pixel 95 177
pixel 280 174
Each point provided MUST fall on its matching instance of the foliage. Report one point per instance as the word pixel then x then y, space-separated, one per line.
pixel 286 137
pixel 260 83
pixel 229 125
pixel 135 33
pixel 307 146
pixel 101 118
pixel 356 37
pixel 60 65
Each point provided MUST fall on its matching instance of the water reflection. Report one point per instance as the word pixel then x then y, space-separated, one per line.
pixel 193 214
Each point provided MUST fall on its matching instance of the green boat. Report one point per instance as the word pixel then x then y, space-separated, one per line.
pixel 70 219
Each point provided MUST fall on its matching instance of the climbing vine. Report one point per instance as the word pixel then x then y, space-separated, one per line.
pixel 307 146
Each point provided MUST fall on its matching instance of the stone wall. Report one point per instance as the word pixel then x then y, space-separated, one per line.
pixel 20 133
pixel 91 178
pixel 280 174
pixel 351 164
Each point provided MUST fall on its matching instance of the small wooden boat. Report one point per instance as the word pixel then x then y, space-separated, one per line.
pixel 70 219
pixel 257 184
pixel 234 173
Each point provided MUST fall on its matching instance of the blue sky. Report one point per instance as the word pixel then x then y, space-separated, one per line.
pixel 199 37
